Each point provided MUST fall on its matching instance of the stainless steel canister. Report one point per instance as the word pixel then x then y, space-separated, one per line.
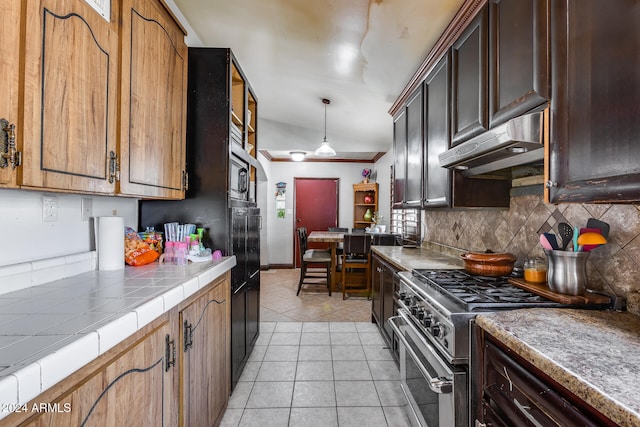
pixel 567 271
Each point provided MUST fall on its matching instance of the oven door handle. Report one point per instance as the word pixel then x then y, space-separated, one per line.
pixel 437 385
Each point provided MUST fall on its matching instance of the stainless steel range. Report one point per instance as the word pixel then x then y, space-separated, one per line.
pixel 433 327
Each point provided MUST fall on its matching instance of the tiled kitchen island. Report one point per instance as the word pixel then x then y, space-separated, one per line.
pixel 50 331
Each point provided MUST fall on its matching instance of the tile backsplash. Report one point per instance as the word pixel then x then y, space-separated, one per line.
pixel 613 268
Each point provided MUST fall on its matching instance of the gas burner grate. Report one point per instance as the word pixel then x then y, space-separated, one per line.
pixel 481 292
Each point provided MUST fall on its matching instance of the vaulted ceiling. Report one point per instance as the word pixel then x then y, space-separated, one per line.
pixel 360 54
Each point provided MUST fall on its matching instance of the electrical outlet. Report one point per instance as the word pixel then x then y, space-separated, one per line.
pixel 49 208
pixel 87 208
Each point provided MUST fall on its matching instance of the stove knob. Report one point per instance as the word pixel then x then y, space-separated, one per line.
pixel 414 309
pixel 427 321
pixel 438 330
pixel 402 295
pixel 420 314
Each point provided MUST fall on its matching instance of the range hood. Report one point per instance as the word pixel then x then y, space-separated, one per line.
pixel 517 142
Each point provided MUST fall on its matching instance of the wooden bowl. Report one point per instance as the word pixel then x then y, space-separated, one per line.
pixel 488 263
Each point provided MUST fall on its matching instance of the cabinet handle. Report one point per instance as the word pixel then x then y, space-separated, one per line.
pixel 8 153
pixel 169 353
pixel 188 335
pixel 114 167
pixel 185 180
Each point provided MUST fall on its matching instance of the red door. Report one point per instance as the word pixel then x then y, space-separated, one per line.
pixel 316 207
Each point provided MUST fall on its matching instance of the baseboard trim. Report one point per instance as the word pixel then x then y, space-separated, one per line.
pixel 276 267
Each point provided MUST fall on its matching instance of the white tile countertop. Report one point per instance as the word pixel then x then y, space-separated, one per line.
pixel 51 330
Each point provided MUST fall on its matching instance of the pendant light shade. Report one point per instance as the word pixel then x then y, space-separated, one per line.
pixel 325 149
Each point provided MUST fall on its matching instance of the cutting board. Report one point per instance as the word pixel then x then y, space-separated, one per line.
pixel 543 290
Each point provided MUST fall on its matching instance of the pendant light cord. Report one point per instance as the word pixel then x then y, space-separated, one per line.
pixel 325 101
pixel 325 118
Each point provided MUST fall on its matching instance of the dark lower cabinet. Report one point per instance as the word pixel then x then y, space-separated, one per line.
pixel 595 108
pixel 507 390
pixel 383 303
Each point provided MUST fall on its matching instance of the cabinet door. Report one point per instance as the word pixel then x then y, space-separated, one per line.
pixel 399 159
pixel 153 90
pixel 388 305
pixel 70 96
pixel 437 135
pixel 415 143
pixel 135 389
pixel 469 80
pixel 376 291
pixel 9 70
pixel 238 333
pixel 205 379
pixel 253 311
pixel 595 130
pixel 519 59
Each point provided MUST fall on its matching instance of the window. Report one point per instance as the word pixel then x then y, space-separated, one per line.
pixel 406 222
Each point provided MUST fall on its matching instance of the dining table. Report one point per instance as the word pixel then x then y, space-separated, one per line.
pixel 333 238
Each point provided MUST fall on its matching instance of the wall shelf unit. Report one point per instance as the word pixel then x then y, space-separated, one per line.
pixel 360 205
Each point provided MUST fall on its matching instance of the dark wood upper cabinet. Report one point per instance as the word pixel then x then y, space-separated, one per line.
pixel 399 158
pixel 437 185
pixel 443 187
pixel 595 108
pixel 469 79
pixel 415 144
pixel 518 57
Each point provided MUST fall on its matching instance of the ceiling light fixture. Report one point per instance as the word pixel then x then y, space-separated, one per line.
pixel 297 156
pixel 325 149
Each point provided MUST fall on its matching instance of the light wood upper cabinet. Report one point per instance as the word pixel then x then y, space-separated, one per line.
pixel 153 98
pixel 70 96
pixel 9 70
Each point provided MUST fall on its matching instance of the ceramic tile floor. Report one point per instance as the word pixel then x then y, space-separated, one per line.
pixel 278 301
pixel 319 361
pixel 317 374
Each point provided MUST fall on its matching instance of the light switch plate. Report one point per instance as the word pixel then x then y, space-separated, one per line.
pixel 49 208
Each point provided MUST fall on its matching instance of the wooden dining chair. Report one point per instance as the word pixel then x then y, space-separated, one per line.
pixel 356 265
pixel 339 246
pixel 309 259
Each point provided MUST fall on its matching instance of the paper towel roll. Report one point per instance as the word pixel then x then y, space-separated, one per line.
pixel 110 242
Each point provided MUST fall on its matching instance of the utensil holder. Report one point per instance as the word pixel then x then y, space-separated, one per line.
pixel 567 271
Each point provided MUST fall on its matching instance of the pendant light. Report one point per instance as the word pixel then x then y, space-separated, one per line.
pixel 325 149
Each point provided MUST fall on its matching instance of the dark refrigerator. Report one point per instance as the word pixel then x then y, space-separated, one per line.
pixel 245 291
pixel 221 196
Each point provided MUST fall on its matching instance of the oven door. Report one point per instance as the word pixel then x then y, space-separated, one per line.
pixel 436 390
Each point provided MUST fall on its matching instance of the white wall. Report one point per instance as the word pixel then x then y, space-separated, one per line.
pixel 281 231
pixel 24 236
